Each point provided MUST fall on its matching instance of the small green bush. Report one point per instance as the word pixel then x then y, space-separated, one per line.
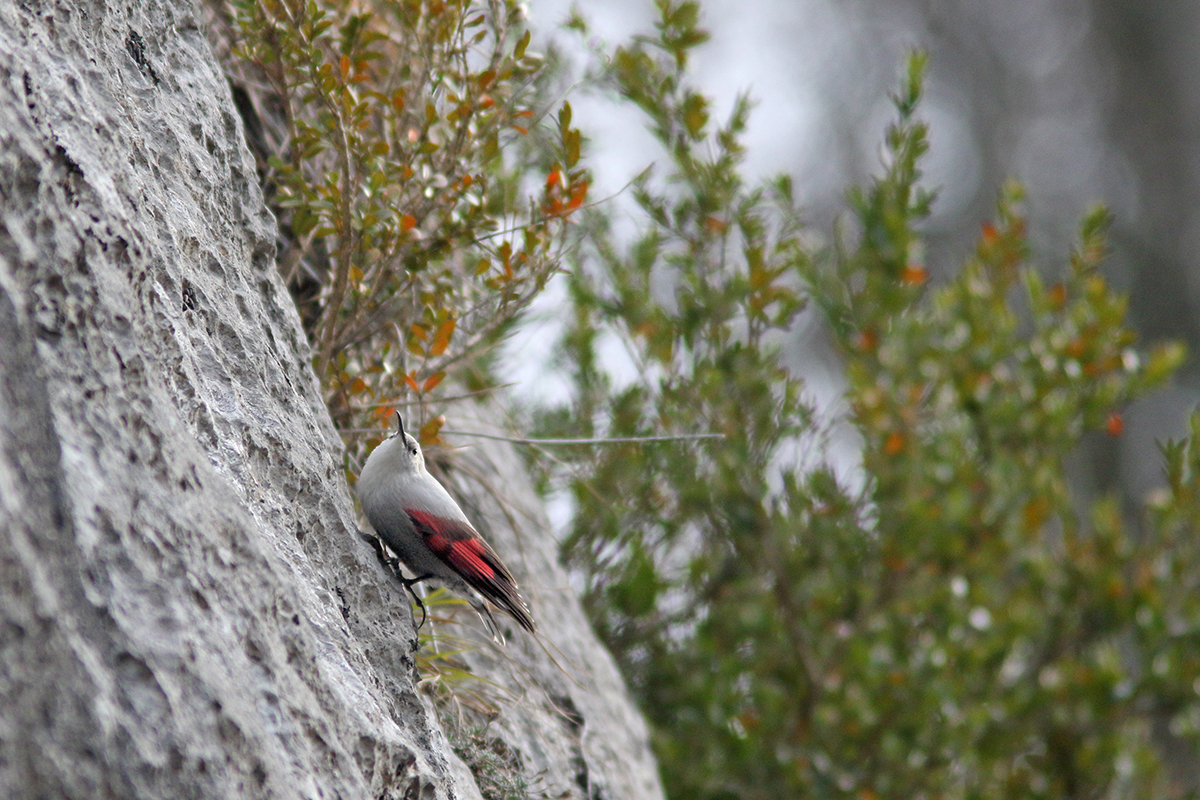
pixel 400 175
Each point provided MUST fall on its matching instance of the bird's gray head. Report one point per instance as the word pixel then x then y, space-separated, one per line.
pixel 403 449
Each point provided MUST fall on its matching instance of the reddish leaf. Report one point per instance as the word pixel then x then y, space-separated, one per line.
pixel 1115 425
pixel 411 380
pixel 914 275
pixel 429 430
pixel 578 195
pixel 432 381
pixel 441 340
pixel 866 340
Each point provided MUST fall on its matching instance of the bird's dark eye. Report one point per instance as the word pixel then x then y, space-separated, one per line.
pixel 413 451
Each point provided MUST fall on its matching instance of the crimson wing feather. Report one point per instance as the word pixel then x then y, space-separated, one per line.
pixel 464 551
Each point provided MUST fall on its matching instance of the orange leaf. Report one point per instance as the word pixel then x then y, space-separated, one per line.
pixel 358 386
pixel 429 430
pixel 411 380
pixel 552 179
pixel 344 64
pixel 865 340
pixel 442 339
pixel 989 235
pixel 521 130
pixel 894 443
pixel 914 275
pixel 432 381
pixel 408 222
pixel 578 194
pixel 1115 424
pixel 525 113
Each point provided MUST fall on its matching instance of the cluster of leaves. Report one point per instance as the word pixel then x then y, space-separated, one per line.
pixel 401 179
pixel 958 626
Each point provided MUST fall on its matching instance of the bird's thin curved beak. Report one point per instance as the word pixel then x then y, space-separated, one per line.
pixel 400 422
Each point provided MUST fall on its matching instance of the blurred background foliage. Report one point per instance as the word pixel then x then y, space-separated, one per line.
pixel 951 617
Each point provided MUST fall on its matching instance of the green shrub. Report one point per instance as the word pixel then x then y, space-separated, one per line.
pixel 959 626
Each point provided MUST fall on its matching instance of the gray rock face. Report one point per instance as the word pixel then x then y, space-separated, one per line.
pixel 185 609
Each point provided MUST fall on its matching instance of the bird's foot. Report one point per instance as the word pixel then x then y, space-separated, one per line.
pixel 392 565
pixel 408 584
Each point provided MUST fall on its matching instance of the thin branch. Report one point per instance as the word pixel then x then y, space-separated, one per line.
pixel 406 403
pixel 612 440
pixel 479 240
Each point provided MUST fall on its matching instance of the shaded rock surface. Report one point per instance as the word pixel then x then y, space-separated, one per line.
pixel 185 610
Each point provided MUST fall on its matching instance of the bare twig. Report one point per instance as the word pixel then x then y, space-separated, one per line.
pixel 611 440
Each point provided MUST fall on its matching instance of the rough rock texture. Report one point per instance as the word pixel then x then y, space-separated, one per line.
pixel 185 609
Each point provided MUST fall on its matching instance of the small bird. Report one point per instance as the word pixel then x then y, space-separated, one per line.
pixel 418 519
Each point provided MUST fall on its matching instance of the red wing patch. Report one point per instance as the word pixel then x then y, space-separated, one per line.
pixel 460 547
pixel 465 555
